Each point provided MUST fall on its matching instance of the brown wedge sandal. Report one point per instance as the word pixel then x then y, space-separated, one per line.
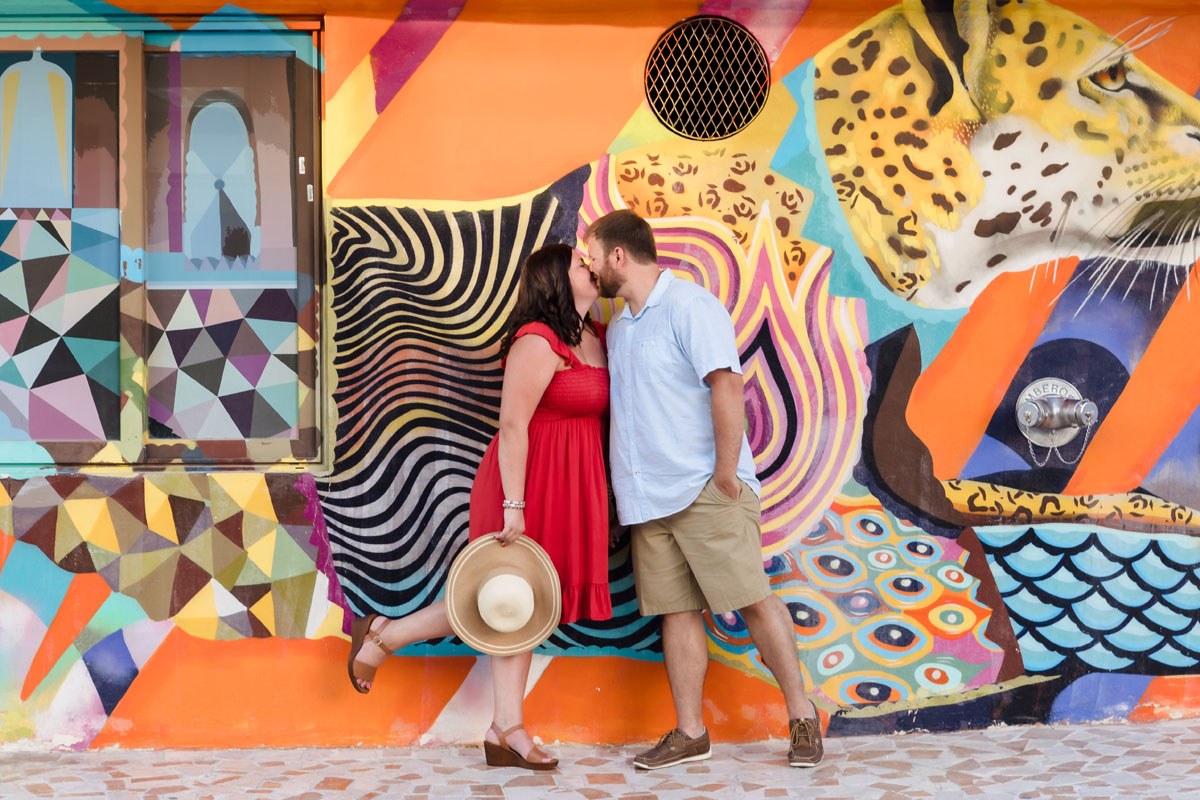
pixel 360 629
pixel 501 755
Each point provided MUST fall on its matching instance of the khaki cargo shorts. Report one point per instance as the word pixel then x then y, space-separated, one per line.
pixel 709 555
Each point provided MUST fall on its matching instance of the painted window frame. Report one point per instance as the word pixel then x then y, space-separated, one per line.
pixel 132 39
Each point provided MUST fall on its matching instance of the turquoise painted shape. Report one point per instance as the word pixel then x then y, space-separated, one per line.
pixel 1151 569
pixel 1029 607
pixel 1101 657
pixel 11 375
pixel 1065 633
pixel 133 264
pixel 265 35
pixel 101 221
pixel 1186 597
pixel 1063 583
pixel 96 247
pixel 1134 638
pixel 799 157
pixel 1172 656
pixel 173 270
pixel 999 536
pixel 1191 639
pixel 1180 549
pixel 1032 561
pixel 116 613
pixel 1164 617
pixel 1005 582
pixel 1095 564
pixel 1063 536
pixel 273 333
pixel 1098 614
pixel 1036 656
pixel 1123 544
pixel 35 580
pixel 1125 591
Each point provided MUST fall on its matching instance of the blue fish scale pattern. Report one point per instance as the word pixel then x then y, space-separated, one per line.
pixel 1097 598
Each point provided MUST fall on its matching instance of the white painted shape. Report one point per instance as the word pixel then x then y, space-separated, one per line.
pixel 22 632
pixel 75 714
pixel 227 605
pixel 469 712
pixel 318 609
pixel 143 638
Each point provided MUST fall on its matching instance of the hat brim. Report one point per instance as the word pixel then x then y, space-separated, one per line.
pixel 478 561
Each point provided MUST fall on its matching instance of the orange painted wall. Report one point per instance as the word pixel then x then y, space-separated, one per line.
pixel 511 97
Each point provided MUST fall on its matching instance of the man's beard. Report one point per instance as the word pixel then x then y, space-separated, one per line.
pixel 608 284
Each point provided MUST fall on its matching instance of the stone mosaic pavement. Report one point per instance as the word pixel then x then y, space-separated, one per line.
pixel 1154 760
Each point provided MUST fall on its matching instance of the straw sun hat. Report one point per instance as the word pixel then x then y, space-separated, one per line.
pixel 503 600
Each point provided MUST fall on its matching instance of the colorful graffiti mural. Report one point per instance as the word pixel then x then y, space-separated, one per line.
pixel 940 206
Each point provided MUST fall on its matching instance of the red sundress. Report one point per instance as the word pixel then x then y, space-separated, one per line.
pixel 566 495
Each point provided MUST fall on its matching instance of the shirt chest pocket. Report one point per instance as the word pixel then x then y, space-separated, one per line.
pixel 660 356
pixel 655 348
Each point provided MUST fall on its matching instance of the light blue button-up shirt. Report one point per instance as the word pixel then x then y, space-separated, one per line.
pixel 661 443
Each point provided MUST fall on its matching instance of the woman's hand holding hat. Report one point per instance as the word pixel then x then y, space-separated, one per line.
pixel 514 527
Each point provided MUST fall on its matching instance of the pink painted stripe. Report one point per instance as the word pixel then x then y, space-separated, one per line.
pixel 771 21
pixel 306 484
pixel 412 37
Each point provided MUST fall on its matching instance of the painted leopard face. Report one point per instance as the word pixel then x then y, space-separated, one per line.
pixel 1001 136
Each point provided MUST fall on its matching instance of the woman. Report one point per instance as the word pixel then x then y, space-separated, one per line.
pixel 541 476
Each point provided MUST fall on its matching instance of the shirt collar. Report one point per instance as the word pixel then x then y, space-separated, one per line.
pixel 655 297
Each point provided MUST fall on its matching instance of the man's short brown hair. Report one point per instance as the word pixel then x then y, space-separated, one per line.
pixel 624 228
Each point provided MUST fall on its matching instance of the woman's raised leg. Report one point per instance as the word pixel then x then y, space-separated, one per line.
pixel 429 622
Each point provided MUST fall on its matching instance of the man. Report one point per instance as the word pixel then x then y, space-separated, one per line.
pixel 684 479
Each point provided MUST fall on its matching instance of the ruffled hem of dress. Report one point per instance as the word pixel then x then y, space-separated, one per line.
pixel 586 601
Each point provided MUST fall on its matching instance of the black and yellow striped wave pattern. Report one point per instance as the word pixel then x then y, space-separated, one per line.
pixel 419 300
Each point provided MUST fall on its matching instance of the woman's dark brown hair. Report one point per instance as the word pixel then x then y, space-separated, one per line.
pixel 544 295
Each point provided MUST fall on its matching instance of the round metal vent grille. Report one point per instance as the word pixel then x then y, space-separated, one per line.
pixel 707 77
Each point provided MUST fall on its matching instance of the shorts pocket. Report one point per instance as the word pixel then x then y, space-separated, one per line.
pixel 717 495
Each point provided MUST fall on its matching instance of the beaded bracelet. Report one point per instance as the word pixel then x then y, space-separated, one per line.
pixel 514 504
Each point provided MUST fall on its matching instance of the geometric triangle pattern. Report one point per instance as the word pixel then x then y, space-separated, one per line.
pixel 226 555
pixel 59 324
pixel 222 363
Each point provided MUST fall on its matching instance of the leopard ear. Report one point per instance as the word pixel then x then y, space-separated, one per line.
pixel 960 30
pixel 977 23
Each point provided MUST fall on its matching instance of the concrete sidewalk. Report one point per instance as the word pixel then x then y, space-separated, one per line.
pixel 1154 760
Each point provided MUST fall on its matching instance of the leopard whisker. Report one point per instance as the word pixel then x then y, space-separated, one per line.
pixel 1116 36
pixel 1183 236
pixel 1062 221
pixel 1136 272
pixel 1107 266
pixel 1096 275
pixel 1111 249
pixel 1116 257
pixel 1133 245
pixel 1188 251
pixel 1129 209
pixel 1118 260
pixel 1187 278
pixel 1164 272
pixel 1118 210
pixel 1132 44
